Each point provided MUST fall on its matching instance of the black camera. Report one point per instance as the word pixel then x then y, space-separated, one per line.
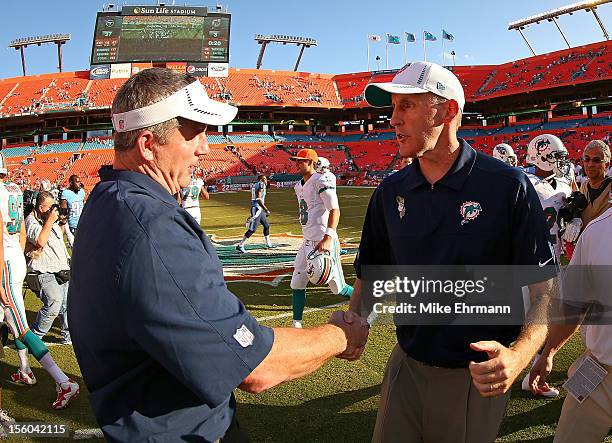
pixel 63 212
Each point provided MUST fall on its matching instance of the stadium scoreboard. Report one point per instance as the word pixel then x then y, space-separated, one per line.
pixel 161 34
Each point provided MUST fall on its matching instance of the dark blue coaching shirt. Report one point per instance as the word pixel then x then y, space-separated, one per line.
pixel 505 227
pixel 160 340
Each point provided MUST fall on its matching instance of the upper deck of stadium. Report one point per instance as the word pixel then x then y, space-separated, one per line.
pixel 74 91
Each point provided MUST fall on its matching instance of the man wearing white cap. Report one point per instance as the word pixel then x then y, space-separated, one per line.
pixel 160 341
pixel 448 383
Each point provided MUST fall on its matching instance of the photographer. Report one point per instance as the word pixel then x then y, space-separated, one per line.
pixel 48 257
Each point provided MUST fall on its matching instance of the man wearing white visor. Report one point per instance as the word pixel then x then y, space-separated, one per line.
pixel 451 206
pixel 161 341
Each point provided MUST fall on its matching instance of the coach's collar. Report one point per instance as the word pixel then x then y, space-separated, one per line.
pixel 458 173
pixel 107 173
pixel 454 178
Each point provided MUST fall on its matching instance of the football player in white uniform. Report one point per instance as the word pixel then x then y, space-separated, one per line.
pixel 190 197
pixel 319 214
pixel 505 153
pixel 13 275
pixel 550 179
pixel 549 156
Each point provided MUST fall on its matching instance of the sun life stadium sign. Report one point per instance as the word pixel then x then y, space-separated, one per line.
pixel 164 10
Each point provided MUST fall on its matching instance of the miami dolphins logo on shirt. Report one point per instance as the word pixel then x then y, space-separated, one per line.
pixel 469 211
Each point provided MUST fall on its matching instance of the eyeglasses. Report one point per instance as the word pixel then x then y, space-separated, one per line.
pixel 592 160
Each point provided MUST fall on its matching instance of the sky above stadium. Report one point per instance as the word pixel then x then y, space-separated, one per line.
pixel 341 27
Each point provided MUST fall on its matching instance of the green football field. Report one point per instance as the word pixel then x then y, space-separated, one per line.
pixel 338 402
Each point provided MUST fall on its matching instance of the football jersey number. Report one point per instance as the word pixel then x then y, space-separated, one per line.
pixel 15 214
pixel 76 208
pixel 303 212
pixel 192 193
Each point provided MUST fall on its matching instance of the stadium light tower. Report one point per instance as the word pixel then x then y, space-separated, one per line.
pixel 21 43
pixel 553 16
pixel 263 40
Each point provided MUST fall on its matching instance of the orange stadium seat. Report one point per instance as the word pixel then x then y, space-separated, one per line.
pixel 102 92
pixel 88 165
pixel 25 97
pixel 51 167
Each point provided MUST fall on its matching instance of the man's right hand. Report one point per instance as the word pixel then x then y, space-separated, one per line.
pixel 356 330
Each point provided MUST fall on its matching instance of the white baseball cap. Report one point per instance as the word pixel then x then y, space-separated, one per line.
pixel 417 78
pixel 191 102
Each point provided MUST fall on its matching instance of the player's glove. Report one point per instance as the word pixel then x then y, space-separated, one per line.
pixel 572 230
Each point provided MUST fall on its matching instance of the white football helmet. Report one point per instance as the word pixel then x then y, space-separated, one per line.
pixel 505 153
pixel 319 265
pixel 548 153
pixel 322 165
pixel 45 185
pixel 3 169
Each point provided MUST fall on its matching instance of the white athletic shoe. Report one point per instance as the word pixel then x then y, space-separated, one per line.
pixel 546 390
pixel 297 324
pixel 240 248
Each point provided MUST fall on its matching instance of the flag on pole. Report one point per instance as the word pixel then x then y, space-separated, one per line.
pixel 410 37
pixel 447 36
pixel 374 37
pixel 429 36
pixel 393 39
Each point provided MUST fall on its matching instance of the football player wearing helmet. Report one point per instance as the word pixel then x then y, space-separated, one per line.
pixel 190 197
pixel 12 244
pixel 318 259
pixel 549 156
pixel 259 214
pixel 505 153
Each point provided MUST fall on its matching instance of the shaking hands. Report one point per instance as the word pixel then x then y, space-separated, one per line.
pixel 356 330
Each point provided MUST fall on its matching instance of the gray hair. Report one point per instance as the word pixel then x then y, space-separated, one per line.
pixel 436 99
pixel 143 89
pixel 604 148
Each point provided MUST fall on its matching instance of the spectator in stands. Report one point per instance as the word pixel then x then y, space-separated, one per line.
pixel 48 258
pixel 73 199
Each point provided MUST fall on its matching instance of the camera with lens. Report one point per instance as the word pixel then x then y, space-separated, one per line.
pixel 63 212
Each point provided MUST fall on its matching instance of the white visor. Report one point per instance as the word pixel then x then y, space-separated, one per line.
pixel 190 102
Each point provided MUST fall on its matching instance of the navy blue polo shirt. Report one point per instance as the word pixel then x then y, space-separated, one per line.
pixel 508 227
pixel 161 342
